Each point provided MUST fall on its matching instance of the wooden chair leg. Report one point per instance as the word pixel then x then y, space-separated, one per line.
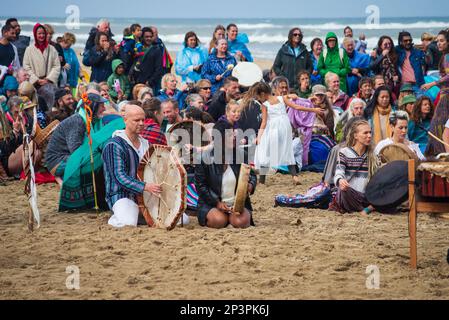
pixel 412 215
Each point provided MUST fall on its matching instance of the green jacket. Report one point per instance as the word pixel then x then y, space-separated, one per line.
pixel 334 62
pixel 124 81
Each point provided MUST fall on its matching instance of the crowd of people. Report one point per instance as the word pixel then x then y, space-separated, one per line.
pixel 329 109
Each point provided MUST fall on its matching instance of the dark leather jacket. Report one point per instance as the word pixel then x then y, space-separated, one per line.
pixel 208 182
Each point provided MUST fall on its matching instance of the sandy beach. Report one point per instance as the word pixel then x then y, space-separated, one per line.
pixel 291 254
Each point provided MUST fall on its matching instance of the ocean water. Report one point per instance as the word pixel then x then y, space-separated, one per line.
pixel 266 35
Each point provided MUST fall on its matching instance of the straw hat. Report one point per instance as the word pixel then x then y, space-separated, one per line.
pixel 27 103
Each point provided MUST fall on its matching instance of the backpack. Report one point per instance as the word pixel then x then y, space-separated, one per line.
pixel 86 58
pixel 340 51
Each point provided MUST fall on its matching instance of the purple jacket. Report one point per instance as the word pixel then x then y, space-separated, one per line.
pixel 301 119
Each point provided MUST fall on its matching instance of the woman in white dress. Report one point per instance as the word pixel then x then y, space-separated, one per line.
pixel 274 141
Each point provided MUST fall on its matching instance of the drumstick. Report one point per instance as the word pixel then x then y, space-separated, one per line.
pixel 229 68
pixel 433 136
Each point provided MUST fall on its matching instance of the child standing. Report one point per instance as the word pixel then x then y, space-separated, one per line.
pixel 119 86
pixel 131 48
pixel 274 141
pixel 233 114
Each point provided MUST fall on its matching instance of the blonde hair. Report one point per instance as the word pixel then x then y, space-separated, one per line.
pixel 136 90
pixel 69 38
pixel 80 90
pixel 165 79
pixel 350 142
pixel 427 37
pixel 232 103
pixel 348 40
pixel 49 29
pixel 328 77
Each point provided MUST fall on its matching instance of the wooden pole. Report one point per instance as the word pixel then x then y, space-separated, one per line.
pixel 412 215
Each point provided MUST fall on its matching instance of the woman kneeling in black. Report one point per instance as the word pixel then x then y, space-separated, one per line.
pixel 216 180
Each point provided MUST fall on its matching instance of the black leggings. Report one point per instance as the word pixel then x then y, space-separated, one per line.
pixel 293 169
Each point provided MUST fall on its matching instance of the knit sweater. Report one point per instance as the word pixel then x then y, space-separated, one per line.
pixel 67 137
pixel 352 168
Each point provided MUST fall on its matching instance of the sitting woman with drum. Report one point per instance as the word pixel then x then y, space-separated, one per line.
pixel 355 165
pixel 217 178
pixel 399 126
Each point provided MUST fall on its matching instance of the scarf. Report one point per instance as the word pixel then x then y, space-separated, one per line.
pixel 377 124
pixel 40 46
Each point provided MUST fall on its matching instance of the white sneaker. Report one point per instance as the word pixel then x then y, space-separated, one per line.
pixel 185 220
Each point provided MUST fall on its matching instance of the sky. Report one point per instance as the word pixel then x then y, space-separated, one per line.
pixel 225 8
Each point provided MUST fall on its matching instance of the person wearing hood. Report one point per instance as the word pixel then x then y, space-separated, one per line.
pixel 121 157
pixel 219 65
pixel 334 60
pixel 293 58
pixel 190 59
pixel 237 44
pixel 10 87
pixel 70 135
pixel 41 61
pixel 118 82
pixel 359 63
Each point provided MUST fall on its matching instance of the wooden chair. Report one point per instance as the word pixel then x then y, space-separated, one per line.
pixel 417 205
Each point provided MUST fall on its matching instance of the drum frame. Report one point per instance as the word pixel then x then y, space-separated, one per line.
pixel 140 198
pixel 418 205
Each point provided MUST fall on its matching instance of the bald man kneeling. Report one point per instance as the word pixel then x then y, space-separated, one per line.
pixel 121 156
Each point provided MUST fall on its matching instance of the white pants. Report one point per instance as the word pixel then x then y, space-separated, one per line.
pixel 125 213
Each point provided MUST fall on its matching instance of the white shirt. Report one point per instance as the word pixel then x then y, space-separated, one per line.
pixel 411 145
pixel 447 124
pixel 228 187
pixel 144 145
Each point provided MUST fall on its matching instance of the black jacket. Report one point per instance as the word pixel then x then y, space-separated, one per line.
pixel 90 43
pixel 287 65
pixel 217 106
pixel 151 70
pixel 208 183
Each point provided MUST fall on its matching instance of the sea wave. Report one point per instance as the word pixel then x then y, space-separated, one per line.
pixel 380 26
pixel 249 26
pixel 52 23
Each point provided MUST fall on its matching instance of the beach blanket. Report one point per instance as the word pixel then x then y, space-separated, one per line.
pixel 317 197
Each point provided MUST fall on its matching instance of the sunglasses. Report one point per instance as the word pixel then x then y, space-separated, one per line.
pixel 297 35
pixel 206 88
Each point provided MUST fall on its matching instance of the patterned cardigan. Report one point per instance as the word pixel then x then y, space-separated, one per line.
pixel 121 163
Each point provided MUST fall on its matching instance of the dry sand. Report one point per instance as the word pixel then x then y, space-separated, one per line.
pixel 290 254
